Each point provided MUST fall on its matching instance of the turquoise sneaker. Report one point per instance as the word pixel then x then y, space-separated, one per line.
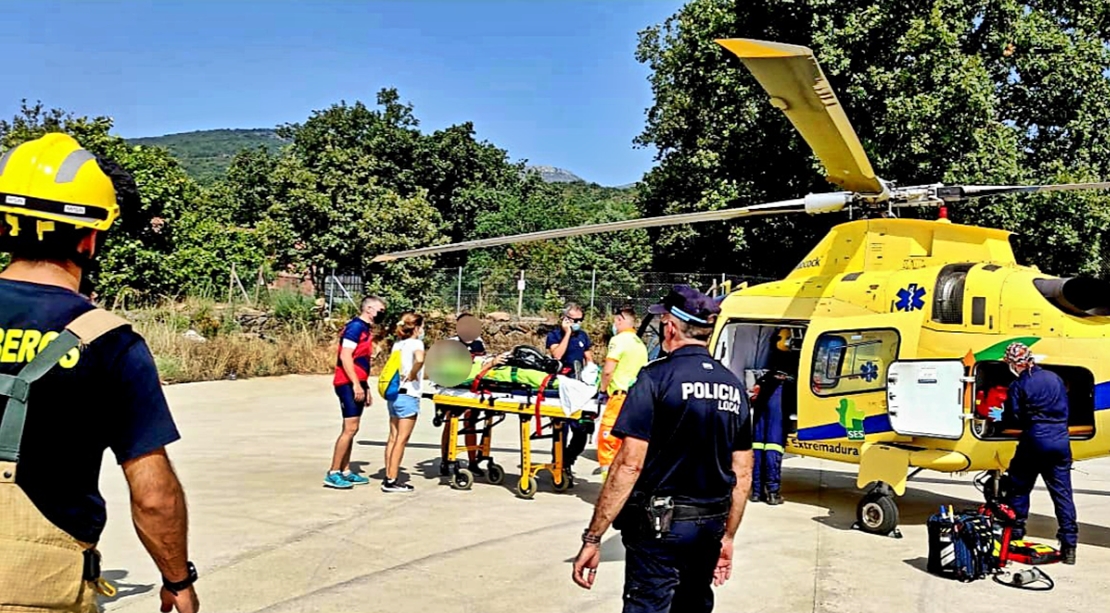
pixel 337 481
pixel 354 479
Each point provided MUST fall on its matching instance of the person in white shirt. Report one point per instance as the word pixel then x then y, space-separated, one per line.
pixel 403 410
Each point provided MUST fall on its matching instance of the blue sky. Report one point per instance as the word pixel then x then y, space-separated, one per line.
pixel 554 82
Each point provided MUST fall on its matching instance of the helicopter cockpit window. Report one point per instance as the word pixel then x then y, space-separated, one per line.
pixel 851 362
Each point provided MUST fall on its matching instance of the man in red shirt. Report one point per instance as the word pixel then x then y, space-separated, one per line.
pixel 356 345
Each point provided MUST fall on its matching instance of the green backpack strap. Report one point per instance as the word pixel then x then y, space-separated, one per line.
pixel 16 388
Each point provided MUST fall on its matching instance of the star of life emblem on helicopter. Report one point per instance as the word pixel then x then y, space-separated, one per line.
pixel 911 298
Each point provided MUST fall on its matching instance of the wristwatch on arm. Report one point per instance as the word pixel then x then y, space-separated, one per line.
pixel 180 586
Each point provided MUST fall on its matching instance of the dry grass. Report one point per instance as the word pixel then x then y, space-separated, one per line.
pixel 181 359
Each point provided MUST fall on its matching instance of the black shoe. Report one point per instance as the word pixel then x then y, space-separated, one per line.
pixel 474 470
pixel 754 496
pixel 774 499
pixel 396 486
pixel 444 469
pixel 1067 554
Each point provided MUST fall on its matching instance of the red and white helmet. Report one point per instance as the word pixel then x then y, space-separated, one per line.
pixel 1018 354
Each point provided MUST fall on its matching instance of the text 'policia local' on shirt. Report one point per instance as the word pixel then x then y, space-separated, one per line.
pixel 106 395
pixel 693 412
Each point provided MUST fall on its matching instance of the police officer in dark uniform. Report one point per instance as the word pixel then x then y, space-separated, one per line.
pixel 1038 399
pixel 679 483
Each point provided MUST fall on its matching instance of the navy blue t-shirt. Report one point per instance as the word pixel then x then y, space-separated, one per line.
pixel 693 412
pixel 1038 399
pixel 576 349
pixel 107 395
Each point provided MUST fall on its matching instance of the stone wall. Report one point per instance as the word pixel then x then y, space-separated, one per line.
pixel 501 332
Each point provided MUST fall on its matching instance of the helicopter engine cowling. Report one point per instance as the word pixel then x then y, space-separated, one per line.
pixel 1082 296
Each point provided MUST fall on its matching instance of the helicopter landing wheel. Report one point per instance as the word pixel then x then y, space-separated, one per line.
pixel 877 513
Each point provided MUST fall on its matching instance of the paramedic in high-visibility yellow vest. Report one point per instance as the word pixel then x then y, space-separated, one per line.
pixel 626 355
pixel 79 381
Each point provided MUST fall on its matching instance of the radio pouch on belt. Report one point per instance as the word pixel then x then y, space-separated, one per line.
pixel 660 514
pixel 41 566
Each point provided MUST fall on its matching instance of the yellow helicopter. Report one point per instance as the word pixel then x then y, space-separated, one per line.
pixel 899 324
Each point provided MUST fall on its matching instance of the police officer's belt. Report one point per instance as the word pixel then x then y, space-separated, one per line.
pixel 689 511
pixel 684 509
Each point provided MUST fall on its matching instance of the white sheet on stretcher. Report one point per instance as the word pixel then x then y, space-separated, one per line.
pixel 574 396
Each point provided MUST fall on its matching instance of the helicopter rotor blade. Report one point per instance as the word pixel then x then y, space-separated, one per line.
pixel 792 77
pixel 771 208
pixel 957 193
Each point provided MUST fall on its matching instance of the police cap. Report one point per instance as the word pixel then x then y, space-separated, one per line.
pixel 689 305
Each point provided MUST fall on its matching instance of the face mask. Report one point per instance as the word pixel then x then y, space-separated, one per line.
pixel 576 327
pixel 1014 370
pixel 420 336
pixel 614 329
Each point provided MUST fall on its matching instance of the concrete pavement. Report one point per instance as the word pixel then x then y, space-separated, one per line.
pixel 266 536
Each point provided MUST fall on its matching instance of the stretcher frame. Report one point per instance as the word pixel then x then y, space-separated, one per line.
pixel 450 409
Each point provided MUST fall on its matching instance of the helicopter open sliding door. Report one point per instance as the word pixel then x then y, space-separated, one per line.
pixel 926 398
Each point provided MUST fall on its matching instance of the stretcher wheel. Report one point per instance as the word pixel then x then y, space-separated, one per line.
pixel 527 489
pixel 565 484
pixel 462 479
pixel 437 421
pixel 495 474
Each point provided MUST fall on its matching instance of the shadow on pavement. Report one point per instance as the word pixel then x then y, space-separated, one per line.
pixel 612 549
pixel 415 445
pixel 123 590
pixel 837 493
pixel 921 564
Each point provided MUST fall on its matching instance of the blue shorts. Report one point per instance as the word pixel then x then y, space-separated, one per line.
pixel 404 406
pixel 347 402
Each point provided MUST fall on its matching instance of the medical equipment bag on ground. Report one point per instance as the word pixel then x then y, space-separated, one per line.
pixel 961 545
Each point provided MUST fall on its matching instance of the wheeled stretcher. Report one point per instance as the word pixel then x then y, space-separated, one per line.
pixel 542 414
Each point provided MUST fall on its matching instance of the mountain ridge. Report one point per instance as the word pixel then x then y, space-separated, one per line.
pixel 206 154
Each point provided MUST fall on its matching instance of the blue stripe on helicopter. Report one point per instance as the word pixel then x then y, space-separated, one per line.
pixel 1102 396
pixel 875 424
pixel 878 424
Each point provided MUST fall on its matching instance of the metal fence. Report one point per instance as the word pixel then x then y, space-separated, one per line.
pixel 530 293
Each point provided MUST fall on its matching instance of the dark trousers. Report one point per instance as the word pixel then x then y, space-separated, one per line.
pixel 576 434
pixel 673 573
pixel 1048 456
pixel 768 441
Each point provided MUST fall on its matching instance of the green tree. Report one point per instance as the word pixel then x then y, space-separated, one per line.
pixel 335 218
pixel 136 253
pixel 959 91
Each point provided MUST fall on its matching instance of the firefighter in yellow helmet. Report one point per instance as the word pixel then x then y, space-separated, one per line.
pixel 77 380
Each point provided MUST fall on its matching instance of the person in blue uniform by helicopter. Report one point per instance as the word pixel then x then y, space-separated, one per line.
pixel 773 391
pixel 1038 401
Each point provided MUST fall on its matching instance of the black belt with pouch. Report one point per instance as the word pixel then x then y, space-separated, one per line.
pixel 655 514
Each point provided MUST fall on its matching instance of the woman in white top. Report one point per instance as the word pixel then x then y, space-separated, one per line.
pixel 403 410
